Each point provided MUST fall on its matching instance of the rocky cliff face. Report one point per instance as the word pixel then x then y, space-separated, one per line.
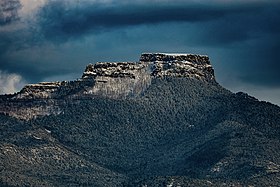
pixel 106 79
pixel 179 65
pixel 117 80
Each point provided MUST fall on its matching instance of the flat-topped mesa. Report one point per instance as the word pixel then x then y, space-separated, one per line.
pixel 179 65
pixel 106 79
pixel 115 79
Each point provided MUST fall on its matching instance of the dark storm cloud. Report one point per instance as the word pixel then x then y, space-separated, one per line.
pixel 61 20
pixel 14 42
pixel 247 25
pixel 261 63
pixel 9 11
pixel 223 23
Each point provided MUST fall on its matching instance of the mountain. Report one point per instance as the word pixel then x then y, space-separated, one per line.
pixel 162 121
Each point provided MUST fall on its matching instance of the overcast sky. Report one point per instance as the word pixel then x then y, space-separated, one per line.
pixel 47 40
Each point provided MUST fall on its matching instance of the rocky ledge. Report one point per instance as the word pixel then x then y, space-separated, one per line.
pixel 179 65
pixel 113 69
pixel 106 79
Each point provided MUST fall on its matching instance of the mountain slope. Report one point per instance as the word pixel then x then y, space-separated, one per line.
pixel 179 130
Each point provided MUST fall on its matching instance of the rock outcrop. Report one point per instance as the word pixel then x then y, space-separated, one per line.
pixel 117 80
pixel 179 65
pixel 105 79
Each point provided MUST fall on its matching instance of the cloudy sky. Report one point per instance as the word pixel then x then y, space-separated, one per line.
pixel 47 40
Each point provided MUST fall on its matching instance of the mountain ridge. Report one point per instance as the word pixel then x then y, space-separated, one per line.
pixel 178 131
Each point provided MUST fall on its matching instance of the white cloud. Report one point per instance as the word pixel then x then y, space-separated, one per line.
pixel 10 83
pixel 31 6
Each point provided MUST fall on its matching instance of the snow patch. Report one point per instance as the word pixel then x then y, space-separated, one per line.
pixel 48 131
pixel 173 54
pixel 37 138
